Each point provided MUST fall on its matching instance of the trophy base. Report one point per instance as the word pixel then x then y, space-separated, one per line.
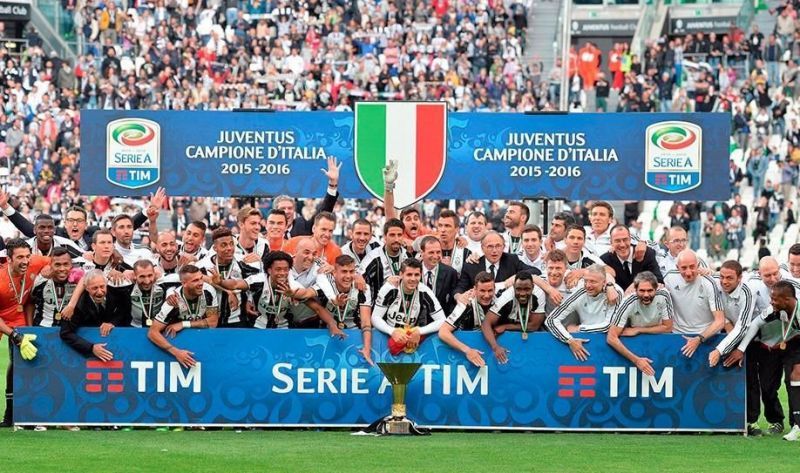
pixel 392 425
pixel 398 426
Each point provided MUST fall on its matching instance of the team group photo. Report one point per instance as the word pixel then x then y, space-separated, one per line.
pixel 282 235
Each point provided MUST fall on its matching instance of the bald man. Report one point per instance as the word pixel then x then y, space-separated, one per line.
pixel 698 307
pixel 305 271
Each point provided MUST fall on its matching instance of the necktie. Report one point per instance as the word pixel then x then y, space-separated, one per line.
pixel 429 280
pixel 491 270
pixel 626 267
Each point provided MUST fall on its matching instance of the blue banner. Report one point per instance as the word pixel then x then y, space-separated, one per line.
pixel 305 378
pixel 617 156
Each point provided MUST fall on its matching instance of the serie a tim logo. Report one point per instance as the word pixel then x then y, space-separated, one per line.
pixel 673 156
pixel 133 152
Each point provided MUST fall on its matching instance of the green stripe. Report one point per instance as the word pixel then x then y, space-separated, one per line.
pixel 371 145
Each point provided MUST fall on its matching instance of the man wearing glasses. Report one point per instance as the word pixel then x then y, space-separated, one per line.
pixel 75 222
pixel 677 241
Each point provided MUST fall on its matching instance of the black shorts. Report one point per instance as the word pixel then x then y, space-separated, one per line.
pixel 791 355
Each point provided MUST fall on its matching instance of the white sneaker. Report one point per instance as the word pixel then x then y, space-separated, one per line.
pixel 793 435
pixel 40 428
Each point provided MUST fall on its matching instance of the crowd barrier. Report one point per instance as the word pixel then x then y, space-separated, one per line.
pixel 301 378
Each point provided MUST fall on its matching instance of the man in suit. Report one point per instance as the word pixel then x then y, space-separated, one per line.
pixel 620 259
pixel 296 224
pixel 503 266
pixel 97 307
pixel 440 278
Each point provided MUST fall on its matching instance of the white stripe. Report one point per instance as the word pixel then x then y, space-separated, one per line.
pixel 401 145
pixel 794 383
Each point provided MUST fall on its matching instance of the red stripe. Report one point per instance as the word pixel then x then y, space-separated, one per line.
pixel 94 376
pixel 93 388
pixel 588 381
pixel 566 381
pixel 566 393
pixel 430 146
pixel 102 364
pixel 587 392
pixel 117 388
pixel 577 369
pixel 115 376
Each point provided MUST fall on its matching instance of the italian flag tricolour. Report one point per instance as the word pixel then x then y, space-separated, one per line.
pixel 412 133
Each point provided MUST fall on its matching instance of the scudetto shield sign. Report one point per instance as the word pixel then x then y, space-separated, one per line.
pixel 412 133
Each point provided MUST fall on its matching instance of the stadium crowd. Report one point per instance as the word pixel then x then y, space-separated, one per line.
pixel 347 264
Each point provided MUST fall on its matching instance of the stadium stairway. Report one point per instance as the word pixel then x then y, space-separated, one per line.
pixel 765 21
pixel 542 34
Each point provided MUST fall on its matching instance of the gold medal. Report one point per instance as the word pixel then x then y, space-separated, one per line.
pixel 19 308
pixel 57 316
pixel 341 324
pixel 148 322
pixel 524 335
pixel 782 346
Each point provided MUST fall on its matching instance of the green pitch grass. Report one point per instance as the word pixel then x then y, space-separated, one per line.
pixel 279 450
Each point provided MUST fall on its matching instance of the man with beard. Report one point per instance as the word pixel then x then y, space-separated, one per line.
pixel 122 229
pixel 51 295
pixel 453 254
pixel 384 262
pixel 196 307
pixel 514 220
pixel 16 281
pixel 361 241
pixel 470 316
pixel 350 307
pixel 321 233
pixel 520 309
pixel 167 254
pixel 305 269
pixel 191 247
pixel 647 310
pixel 145 294
pixel 555 240
pixel 251 247
pixel 409 312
